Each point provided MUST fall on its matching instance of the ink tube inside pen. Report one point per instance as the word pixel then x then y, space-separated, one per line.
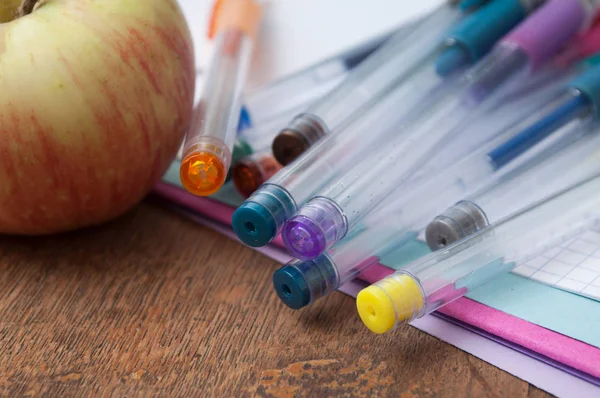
pixel 209 141
pixel 578 104
pixel 441 277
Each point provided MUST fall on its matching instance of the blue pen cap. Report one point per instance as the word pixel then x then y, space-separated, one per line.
pixel 245 121
pixel 588 83
pixel 260 218
pixel 300 283
pixel 479 31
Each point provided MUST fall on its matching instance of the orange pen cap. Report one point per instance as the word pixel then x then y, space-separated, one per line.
pixel 243 15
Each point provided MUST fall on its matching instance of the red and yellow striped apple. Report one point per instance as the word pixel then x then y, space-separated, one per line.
pixel 95 96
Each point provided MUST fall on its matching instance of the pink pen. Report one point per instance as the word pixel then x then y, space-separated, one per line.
pixel 584 45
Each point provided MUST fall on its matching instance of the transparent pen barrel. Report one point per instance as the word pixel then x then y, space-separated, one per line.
pixel 543 175
pixel 260 137
pixel 445 121
pixel 314 82
pixel 331 156
pixel 218 110
pixel 503 64
pixel 539 171
pixel 383 68
pixel 356 253
pixel 298 96
pixel 475 261
pixel 368 183
pixel 463 160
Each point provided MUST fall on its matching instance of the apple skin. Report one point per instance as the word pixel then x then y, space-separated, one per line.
pixel 95 97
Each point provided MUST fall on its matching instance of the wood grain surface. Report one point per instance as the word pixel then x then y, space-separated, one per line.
pixel 155 305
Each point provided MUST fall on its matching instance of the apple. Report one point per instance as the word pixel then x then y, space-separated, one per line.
pixel 95 97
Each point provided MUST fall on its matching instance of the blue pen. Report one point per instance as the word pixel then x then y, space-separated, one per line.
pixel 570 115
pixel 507 192
pixel 578 104
pixel 260 218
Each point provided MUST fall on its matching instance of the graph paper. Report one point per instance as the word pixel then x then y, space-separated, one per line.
pixel 573 266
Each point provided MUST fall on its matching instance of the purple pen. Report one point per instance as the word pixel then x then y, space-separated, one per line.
pixel 531 44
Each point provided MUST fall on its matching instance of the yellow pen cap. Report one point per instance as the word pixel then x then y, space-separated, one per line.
pixel 396 298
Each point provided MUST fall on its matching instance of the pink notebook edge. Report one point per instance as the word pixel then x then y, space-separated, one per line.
pixel 556 346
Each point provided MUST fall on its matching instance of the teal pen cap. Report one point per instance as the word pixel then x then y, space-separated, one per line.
pixel 260 218
pixel 590 61
pixel 474 37
pixel 588 84
pixel 241 149
pixel 469 5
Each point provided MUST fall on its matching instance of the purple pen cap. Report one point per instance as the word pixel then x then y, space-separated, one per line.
pixel 318 225
pixel 549 29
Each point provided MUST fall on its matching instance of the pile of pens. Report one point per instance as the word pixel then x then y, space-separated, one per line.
pixel 474 131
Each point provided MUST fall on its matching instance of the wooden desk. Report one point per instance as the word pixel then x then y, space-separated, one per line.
pixel 153 304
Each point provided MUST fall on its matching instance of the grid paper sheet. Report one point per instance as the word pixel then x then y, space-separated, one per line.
pixel 573 266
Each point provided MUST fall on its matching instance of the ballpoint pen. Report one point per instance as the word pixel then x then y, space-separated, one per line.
pixel 571 108
pixel 300 283
pixel 399 220
pixel 262 105
pixel 571 112
pixel 260 218
pixel 396 59
pixel 299 90
pixel 445 275
pixel 256 139
pixel 514 190
pixel 266 108
pixel 326 218
pixel 209 141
